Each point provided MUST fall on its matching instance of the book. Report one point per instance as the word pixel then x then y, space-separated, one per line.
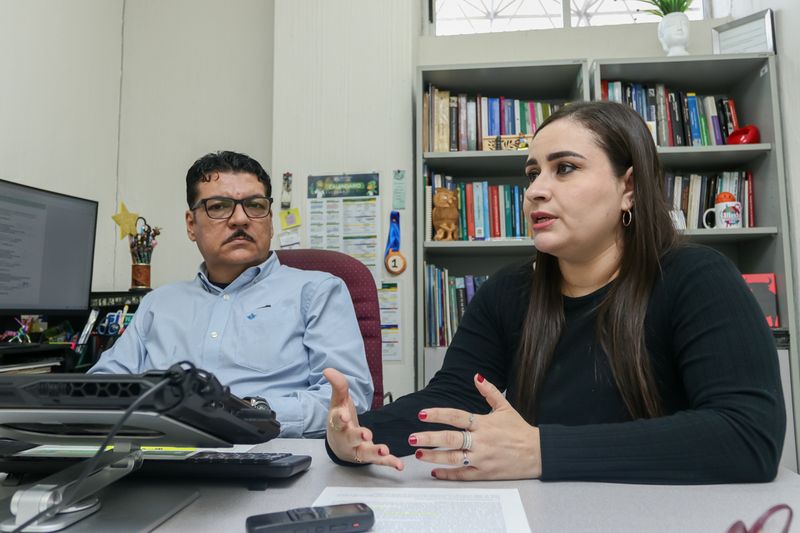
pixel 426 102
pixel 694 119
pixel 477 198
pixel 493 117
pixel 463 123
pixel 453 124
pixel 472 124
pixel 442 126
pixel 765 290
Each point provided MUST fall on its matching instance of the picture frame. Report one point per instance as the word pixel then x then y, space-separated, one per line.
pixel 753 33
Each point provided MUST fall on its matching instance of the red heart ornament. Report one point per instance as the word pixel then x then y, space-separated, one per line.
pixel 748 134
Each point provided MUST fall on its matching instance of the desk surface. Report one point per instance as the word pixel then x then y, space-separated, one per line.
pixel 552 506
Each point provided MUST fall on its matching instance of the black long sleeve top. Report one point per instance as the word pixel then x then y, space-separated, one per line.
pixel 714 361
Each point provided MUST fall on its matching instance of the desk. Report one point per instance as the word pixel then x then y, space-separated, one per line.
pixel 567 506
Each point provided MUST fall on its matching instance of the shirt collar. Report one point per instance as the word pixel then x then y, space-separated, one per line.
pixel 254 274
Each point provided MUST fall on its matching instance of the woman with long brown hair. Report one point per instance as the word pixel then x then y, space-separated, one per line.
pixel 624 354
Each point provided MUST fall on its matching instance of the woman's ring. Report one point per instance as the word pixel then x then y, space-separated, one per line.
pixel 466 460
pixel 467 443
pixel 471 420
pixel 357 458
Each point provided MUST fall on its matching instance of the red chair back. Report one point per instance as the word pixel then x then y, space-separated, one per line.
pixel 364 294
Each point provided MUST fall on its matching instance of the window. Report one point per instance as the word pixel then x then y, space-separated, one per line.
pixel 455 17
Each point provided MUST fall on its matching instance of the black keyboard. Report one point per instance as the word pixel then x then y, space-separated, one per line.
pixel 20 346
pixel 209 465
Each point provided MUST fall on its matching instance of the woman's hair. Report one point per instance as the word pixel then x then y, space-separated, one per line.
pixel 624 137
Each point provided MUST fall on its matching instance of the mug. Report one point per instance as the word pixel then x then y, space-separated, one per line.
pixel 726 215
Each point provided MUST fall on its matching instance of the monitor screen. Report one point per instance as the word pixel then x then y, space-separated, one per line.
pixel 46 250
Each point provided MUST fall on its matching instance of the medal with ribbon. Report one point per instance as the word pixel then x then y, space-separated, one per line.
pixel 395 261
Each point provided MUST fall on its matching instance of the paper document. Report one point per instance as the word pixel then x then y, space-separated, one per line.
pixel 435 510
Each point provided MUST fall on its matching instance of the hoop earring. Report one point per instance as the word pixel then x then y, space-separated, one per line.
pixel 627 218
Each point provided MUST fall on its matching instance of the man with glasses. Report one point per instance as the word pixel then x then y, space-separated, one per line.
pixel 262 328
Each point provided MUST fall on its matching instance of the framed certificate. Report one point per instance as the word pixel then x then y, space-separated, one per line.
pixel 754 33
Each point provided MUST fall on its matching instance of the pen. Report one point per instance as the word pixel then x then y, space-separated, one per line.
pixel 122 319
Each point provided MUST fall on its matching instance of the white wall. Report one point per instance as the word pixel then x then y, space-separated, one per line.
pixel 197 77
pixel 343 103
pixel 59 102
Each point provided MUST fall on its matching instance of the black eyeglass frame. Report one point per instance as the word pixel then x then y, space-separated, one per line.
pixel 204 202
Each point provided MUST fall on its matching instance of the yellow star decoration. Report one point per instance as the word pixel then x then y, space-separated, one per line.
pixel 126 221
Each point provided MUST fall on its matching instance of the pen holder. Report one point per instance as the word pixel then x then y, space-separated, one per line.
pixel 140 276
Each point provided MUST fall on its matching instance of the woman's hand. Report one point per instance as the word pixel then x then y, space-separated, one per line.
pixel 349 441
pixel 500 445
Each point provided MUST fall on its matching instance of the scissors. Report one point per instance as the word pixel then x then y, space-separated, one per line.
pixel 110 325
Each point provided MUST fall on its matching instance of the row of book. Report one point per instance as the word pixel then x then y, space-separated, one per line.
pixel 460 122
pixel 692 194
pixel 446 300
pixel 485 211
pixel 677 118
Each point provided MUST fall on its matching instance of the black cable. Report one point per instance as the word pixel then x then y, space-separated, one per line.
pixel 174 372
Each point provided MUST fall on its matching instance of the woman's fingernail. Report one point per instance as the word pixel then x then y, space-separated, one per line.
pixel 412 440
pixel 481 378
pixel 433 473
pixel 418 454
pixel 363 436
pixel 422 415
pixel 381 452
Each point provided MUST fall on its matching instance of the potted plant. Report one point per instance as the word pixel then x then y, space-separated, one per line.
pixel 673 29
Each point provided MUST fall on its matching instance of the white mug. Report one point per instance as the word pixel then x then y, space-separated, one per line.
pixel 726 215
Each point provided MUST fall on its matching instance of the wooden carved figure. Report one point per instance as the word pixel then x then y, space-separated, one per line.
pixel 445 215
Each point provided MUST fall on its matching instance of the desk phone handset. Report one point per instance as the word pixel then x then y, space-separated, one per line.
pixel 345 517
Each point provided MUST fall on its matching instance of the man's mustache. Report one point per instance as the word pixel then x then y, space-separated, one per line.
pixel 238 234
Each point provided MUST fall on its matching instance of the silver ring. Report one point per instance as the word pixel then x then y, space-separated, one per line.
pixel 467 443
pixel 466 462
pixel 471 420
pixel 357 458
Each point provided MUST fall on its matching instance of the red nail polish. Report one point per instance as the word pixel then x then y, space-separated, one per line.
pixel 433 473
pixel 418 454
pixel 412 440
pixel 422 415
pixel 481 378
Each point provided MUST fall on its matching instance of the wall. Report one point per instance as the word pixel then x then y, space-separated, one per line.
pixel 602 42
pixel 343 103
pixel 59 103
pixel 197 77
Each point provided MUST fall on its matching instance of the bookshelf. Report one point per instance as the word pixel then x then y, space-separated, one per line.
pixel 752 81
pixel 544 81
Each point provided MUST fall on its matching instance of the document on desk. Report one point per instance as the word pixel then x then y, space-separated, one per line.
pixel 435 510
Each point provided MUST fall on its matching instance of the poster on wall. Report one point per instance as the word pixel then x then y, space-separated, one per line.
pixel 389 301
pixel 344 215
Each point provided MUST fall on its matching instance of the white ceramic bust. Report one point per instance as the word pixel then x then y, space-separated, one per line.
pixel 673 32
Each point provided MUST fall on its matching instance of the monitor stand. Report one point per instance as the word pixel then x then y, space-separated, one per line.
pixel 151 507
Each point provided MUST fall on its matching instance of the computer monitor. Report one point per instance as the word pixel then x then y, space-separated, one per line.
pixel 46 250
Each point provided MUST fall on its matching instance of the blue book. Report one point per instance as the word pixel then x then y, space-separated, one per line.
pixel 494 116
pixel 508 111
pixel 487 229
pixel 517 213
pixel 694 119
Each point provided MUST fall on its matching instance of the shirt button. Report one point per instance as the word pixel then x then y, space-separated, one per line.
pixel 226 296
pixel 214 334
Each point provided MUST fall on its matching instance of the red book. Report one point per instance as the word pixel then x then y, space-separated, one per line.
pixel 732 113
pixel 604 90
pixel 534 118
pixel 494 210
pixel 470 213
pixel 766 292
pixel 751 205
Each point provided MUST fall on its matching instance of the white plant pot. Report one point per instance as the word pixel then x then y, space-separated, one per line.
pixel 673 33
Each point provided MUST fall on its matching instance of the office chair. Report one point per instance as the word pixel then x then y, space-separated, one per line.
pixel 363 292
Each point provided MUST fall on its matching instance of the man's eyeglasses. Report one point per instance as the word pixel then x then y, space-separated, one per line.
pixel 222 207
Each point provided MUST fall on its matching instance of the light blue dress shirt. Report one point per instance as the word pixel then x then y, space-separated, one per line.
pixel 270 333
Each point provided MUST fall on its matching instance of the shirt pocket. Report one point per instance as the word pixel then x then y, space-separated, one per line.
pixel 267 339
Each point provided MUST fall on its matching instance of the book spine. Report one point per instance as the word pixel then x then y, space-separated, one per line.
pixel 463 123
pixel 662 128
pixel 472 124
pixel 495 211
pixel 462 211
pixel 477 195
pixel 501 194
pixel 507 192
pixel 469 286
pixel 532 125
pixel 677 119
pixel 734 118
pixel 480 117
pixel 502 122
pixel 493 112
pixel 453 124
pixel 694 119
pixel 713 117
pixel 517 215
pixel 487 222
pixel 426 102
pixel 470 211
pixel 751 218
